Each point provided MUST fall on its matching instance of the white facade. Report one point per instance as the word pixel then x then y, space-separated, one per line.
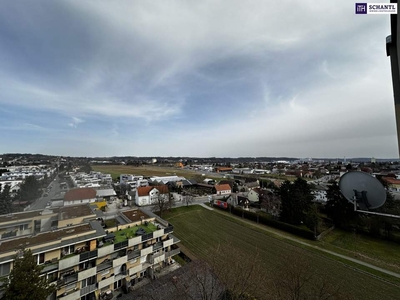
pixel 253 196
pixel 75 202
pixel 125 178
pixel 14 185
pixel 148 199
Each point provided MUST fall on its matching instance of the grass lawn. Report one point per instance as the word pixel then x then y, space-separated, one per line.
pixel 122 235
pixel 117 170
pixel 201 230
pixel 375 251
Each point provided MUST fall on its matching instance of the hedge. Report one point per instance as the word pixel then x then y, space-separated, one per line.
pixel 305 233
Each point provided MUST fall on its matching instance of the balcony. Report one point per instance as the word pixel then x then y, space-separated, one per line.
pixel 119 261
pixel 87 273
pixel 106 282
pixel 87 255
pixel 104 265
pixel 172 252
pixel 88 289
pixel 133 254
pixel 68 261
pixel 156 258
pixel 158 246
pixel 50 267
pixel 146 251
pixel 105 250
pixel 73 295
pixel 68 279
pixel 169 229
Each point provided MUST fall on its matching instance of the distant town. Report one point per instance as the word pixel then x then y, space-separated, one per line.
pixel 102 228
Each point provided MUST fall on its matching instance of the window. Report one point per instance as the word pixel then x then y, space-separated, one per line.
pixel 52 276
pixel 23 227
pixel 4 269
pixel 68 249
pixel 117 284
pixel 40 258
pixel 88 281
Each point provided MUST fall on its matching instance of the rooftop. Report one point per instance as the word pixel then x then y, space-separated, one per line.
pixel 43 237
pixel 222 187
pixel 75 211
pixel 19 216
pixel 135 215
pixel 80 194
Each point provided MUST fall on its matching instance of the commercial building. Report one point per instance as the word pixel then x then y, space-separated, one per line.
pixel 82 258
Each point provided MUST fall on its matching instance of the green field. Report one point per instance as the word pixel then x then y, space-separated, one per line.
pixel 201 230
pixel 117 170
pixel 379 252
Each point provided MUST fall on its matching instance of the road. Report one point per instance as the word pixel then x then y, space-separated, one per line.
pixel 41 203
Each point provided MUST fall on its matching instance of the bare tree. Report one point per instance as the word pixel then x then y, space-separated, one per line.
pixel 187 199
pixel 297 280
pixel 164 201
pixel 243 275
pixel 191 282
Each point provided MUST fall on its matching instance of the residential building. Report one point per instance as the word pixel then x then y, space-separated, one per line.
pixel 149 195
pixel 84 260
pixel 222 189
pixel 393 183
pixel 80 196
pixel 254 195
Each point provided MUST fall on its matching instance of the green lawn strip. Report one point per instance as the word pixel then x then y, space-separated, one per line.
pixel 124 234
pixel 179 260
pixel 388 255
pixel 369 249
pixel 319 252
pixel 200 230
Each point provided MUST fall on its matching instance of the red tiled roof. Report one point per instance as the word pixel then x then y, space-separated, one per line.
pixel 224 168
pixel 222 187
pixel 80 194
pixel 144 191
pixel 391 180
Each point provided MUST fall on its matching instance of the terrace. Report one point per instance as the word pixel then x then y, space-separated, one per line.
pixel 122 235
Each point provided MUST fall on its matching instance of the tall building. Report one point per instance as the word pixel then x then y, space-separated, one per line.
pixel 80 256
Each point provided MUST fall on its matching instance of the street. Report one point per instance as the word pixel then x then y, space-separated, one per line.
pixel 41 203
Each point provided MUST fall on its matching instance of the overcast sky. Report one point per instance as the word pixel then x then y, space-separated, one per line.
pixel 195 78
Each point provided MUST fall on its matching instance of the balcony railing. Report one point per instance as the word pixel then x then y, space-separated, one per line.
pixel 134 254
pixel 87 255
pixel 157 246
pixel 104 266
pixel 172 253
pixel 88 289
pixel 169 229
pixel 68 279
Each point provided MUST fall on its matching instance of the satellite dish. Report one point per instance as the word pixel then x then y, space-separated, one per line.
pixel 363 190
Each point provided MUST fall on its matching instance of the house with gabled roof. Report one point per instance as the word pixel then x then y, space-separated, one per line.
pixel 222 189
pixel 148 195
pixel 80 196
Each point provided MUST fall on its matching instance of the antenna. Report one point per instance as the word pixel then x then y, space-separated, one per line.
pixel 364 191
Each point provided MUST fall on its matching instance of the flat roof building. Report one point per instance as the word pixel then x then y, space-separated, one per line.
pixel 83 259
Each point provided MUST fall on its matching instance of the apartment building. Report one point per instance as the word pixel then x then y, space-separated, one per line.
pixel 84 259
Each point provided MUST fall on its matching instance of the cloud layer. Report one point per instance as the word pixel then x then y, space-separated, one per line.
pixel 206 78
